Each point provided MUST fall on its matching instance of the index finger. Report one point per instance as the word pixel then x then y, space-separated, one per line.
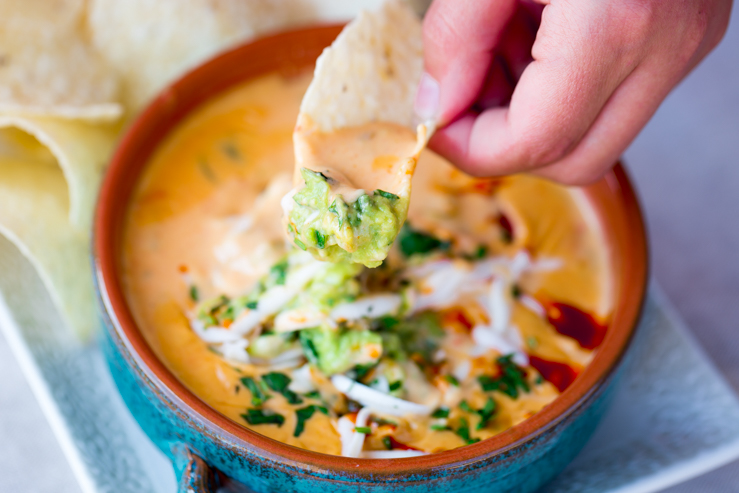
pixel 460 37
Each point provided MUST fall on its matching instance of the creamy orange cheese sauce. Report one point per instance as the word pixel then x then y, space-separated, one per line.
pixel 205 220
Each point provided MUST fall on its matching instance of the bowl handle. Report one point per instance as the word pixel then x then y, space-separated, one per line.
pixel 194 475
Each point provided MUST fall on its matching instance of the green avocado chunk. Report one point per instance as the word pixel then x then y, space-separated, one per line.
pixel 336 351
pixel 333 230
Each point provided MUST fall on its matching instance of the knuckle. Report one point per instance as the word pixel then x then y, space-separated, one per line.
pixel 695 33
pixel 630 24
pixel 719 31
pixel 635 18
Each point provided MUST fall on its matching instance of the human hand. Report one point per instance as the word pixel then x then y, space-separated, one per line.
pixel 562 91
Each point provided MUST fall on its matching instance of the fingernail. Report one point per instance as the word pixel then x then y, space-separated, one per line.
pixel 427 98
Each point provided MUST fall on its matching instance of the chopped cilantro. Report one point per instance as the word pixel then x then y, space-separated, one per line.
pixel 339 208
pixel 395 385
pixel 440 427
pixel 486 413
pixel 452 380
pixel 382 422
pixel 313 394
pixel 304 414
pixel 263 417
pixel 419 334
pixel 442 412
pixel 413 242
pixel 258 395
pixel 210 311
pixel 362 371
pixel 478 254
pixel 279 382
pixel 387 442
pixel 278 272
pixel 320 239
pixel 309 349
pixel 464 406
pixel 387 195
pixel 539 380
pixel 509 381
pixel 463 430
pixel 516 291
pixel 386 322
pixel 252 305
pixel 363 429
pixel 194 295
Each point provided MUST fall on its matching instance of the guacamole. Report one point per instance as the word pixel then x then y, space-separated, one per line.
pixel 334 229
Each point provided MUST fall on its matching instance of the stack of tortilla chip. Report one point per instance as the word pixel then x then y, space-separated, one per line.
pixel 71 71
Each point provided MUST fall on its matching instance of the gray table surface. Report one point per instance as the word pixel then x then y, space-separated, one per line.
pixel 686 167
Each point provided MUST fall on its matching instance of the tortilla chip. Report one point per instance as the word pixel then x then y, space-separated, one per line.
pixel 50 171
pixel 81 150
pixel 362 93
pixel 47 68
pixel 370 73
pixel 34 208
pixel 150 43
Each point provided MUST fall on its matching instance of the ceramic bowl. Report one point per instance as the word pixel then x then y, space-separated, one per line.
pixel 201 441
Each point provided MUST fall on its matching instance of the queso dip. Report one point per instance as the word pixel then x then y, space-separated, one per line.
pixel 491 301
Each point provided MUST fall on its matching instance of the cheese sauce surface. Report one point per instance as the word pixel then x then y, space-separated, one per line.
pixel 493 299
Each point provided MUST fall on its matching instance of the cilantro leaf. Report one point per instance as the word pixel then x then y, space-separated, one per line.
pixel 258 395
pixel 510 379
pixel 304 414
pixel 442 412
pixel 387 195
pixel 263 417
pixel 414 242
pixel 279 382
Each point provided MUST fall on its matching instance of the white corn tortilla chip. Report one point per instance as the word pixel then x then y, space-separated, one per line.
pixel 34 208
pixel 350 131
pixel 46 65
pixel 50 171
pixel 370 73
pixel 81 150
pixel 151 42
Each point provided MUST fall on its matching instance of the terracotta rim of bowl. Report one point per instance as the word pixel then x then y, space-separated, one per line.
pixel 291 52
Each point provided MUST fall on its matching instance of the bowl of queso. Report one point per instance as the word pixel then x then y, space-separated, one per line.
pixel 480 353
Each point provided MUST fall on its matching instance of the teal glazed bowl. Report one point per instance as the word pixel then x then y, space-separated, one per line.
pixel 209 451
